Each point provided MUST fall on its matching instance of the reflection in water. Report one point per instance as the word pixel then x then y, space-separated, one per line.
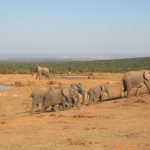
pixel 5 87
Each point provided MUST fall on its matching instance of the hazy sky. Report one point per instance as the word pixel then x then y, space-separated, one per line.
pixel 75 26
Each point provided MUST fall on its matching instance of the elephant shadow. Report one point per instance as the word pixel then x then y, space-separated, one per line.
pixel 113 98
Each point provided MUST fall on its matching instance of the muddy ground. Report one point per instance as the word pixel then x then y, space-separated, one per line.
pixel 116 124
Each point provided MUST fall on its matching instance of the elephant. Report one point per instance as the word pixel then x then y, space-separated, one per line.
pixel 96 93
pixel 42 71
pixel 135 79
pixel 72 95
pixel 59 97
pixel 80 88
pixel 37 96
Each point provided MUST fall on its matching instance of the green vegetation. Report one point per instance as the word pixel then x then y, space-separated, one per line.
pixel 117 65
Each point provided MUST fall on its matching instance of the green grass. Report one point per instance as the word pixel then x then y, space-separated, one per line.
pixel 116 65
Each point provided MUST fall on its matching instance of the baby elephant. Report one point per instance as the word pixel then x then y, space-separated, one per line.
pixel 96 93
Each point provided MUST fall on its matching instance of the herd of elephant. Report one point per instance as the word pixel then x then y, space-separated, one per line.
pixel 72 95
pixel 66 96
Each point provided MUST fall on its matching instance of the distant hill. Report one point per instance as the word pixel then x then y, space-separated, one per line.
pixel 68 56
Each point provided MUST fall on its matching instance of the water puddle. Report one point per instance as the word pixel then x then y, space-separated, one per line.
pixel 6 87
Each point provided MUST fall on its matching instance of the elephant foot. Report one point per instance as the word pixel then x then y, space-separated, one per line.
pixel 33 112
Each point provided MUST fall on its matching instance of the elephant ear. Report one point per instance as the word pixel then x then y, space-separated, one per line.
pixel 65 92
pixel 146 75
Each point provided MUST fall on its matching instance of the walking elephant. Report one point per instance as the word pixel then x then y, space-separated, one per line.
pixel 60 97
pixel 37 96
pixel 42 71
pixel 80 88
pixel 135 79
pixel 72 95
pixel 96 93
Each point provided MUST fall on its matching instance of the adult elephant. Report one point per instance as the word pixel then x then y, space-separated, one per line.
pixel 42 71
pixel 96 93
pixel 135 79
pixel 37 96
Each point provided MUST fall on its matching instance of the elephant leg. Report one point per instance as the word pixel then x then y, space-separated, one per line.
pixel 123 93
pixel 128 92
pixel 136 91
pixel 63 106
pixel 77 103
pixel 44 107
pixel 40 76
pixel 101 98
pixel 37 76
pixel 67 105
pixel 90 101
pixel 37 107
pixel 83 99
pixel 60 106
pixel 70 102
pixel 33 106
pixel 147 84
pixel 53 108
pixel 47 76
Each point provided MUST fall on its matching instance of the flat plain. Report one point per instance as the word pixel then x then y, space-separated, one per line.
pixel 115 124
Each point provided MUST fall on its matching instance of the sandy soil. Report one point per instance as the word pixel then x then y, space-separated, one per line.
pixel 117 124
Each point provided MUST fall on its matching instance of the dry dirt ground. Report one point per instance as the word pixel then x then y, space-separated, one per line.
pixel 116 124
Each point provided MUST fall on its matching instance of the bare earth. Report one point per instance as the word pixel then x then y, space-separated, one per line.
pixel 117 124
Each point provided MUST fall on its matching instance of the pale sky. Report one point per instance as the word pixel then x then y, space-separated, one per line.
pixel 75 26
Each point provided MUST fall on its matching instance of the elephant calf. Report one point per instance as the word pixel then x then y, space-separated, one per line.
pixel 81 90
pixel 96 93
